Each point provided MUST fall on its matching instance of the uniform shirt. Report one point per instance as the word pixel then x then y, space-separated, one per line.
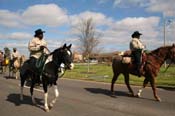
pixel 136 44
pixel 34 47
pixel 1 57
pixel 15 55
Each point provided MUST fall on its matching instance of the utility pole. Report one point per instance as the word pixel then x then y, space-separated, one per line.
pixel 164 31
pixel 164 34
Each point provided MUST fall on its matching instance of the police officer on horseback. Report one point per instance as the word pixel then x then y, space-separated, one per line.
pixel 14 56
pixel 136 46
pixel 1 61
pixel 38 48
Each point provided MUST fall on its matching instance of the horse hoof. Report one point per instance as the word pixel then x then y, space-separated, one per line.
pixel 158 99
pixel 50 105
pixel 138 95
pixel 131 95
pixel 46 109
pixel 34 102
pixel 113 95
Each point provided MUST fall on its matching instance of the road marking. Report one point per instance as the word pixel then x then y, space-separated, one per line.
pixel 35 89
pixel 95 82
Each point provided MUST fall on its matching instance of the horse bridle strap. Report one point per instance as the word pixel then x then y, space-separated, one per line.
pixel 50 75
pixel 157 57
pixel 163 61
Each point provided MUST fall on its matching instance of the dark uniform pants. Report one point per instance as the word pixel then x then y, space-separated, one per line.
pixel 137 56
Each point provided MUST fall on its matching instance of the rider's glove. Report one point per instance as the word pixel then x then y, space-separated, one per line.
pixel 42 47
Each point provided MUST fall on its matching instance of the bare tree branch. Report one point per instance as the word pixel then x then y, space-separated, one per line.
pixel 88 36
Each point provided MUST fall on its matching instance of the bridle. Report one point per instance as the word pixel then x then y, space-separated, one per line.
pixel 57 65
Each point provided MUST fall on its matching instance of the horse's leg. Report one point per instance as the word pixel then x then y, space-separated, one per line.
pixel 31 90
pixel 152 81
pixel 9 70
pixel 56 95
pixel 145 83
pixel 46 107
pixel 16 74
pixel 115 77
pixel 126 75
pixel 22 86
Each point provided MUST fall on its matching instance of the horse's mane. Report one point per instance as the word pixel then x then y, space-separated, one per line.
pixel 156 51
pixel 56 50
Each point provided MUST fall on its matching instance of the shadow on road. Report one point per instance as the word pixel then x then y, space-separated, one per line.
pixel 106 92
pixel 117 93
pixel 167 88
pixel 9 77
pixel 15 98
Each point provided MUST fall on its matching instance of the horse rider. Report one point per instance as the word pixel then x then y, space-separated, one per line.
pixel 136 47
pixel 37 47
pixel 1 58
pixel 14 56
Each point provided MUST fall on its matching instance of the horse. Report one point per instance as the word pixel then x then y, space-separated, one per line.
pixel 15 65
pixel 49 75
pixel 5 64
pixel 153 61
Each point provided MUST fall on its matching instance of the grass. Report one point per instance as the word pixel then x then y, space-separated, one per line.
pixel 103 73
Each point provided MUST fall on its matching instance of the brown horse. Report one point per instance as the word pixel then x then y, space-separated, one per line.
pixel 14 68
pixel 151 67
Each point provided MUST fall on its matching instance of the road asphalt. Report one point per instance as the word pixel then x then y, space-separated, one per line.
pixel 84 98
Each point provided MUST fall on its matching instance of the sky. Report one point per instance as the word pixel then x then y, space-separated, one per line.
pixel 116 20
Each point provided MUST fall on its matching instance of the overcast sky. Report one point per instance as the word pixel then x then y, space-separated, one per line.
pixel 115 19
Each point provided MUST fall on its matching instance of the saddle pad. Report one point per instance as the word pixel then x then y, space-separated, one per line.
pixel 126 60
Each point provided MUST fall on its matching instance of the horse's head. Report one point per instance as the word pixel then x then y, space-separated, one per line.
pixel 172 53
pixel 64 55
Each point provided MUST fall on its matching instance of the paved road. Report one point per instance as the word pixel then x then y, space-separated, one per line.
pixel 79 98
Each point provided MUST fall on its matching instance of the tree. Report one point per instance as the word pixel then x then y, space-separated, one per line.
pixel 88 36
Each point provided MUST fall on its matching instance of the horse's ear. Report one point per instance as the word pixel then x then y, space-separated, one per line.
pixel 64 46
pixel 69 46
pixel 173 44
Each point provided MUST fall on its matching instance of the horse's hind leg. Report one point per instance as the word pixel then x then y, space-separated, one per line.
pixel 115 77
pixel 128 85
pixel 152 81
pixel 56 95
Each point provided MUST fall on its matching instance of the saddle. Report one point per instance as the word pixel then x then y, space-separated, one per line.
pixel 40 62
pixel 36 67
pixel 128 59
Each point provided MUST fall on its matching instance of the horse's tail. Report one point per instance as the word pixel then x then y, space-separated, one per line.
pixel 23 68
pixel 115 63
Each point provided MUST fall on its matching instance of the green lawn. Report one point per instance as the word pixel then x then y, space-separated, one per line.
pixel 103 73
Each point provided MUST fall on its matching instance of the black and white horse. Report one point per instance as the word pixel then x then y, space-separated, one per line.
pixel 49 74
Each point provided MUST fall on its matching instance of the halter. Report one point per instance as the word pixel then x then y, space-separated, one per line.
pixel 47 74
pixel 162 61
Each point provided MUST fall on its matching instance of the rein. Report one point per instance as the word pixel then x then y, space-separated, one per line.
pixel 50 53
pixel 48 50
pixel 162 61
pixel 157 57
